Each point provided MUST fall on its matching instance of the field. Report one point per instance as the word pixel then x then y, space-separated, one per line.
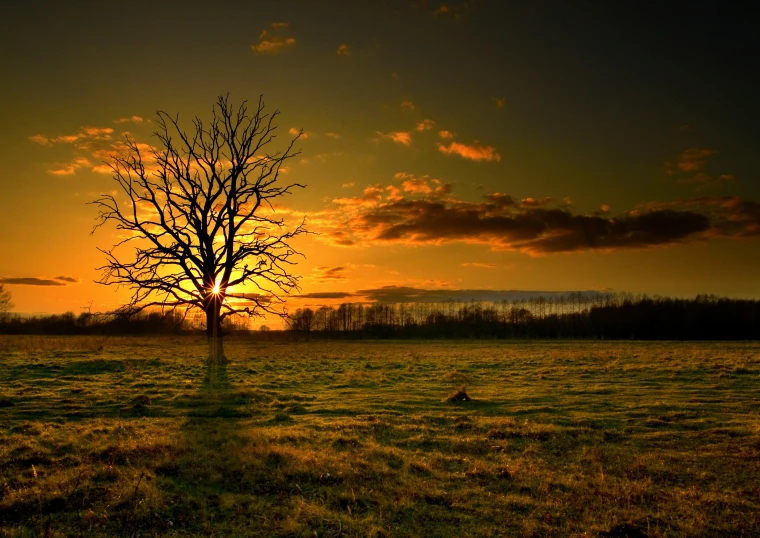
pixel 126 436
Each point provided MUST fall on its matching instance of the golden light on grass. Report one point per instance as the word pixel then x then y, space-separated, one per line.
pixel 609 436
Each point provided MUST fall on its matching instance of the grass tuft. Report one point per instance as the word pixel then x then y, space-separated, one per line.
pixel 459 395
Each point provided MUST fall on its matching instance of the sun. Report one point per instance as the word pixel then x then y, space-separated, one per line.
pixel 215 291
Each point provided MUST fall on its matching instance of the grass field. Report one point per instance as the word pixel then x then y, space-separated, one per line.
pixel 122 436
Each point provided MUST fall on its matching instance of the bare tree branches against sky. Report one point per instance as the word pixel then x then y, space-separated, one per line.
pixel 476 145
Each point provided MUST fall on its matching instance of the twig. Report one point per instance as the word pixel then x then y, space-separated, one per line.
pixel 137 487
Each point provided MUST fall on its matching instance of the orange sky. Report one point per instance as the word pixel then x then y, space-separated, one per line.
pixel 451 146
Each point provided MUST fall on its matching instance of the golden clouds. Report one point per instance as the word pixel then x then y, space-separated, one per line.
pixel 272 43
pixel 298 132
pixel 89 145
pixel 69 168
pixel 85 133
pixel 690 168
pixel 424 125
pixel 420 210
pixel 400 137
pixel 422 185
pixel 132 119
pixel 473 152
pixel 40 139
pixel 343 50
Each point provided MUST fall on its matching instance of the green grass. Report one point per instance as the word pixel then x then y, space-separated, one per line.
pixel 120 436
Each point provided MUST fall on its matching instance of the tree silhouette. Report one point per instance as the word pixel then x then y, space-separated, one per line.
pixel 5 301
pixel 198 212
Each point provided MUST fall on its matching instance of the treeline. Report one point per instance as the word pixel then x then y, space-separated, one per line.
pixel 602 316
pixel 108 324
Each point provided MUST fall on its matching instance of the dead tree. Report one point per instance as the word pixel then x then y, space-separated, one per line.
pixel 197 208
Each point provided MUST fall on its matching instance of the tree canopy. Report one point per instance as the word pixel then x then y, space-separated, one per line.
pixel 197 208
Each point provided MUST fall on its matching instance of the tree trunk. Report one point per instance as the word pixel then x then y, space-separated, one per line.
pixel 214 334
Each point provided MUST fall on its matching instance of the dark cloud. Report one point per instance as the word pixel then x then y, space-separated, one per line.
pixel 530 228
pixel 331 273
pixel 534 227
pixel 32 281
pixel 325 295
pixel 71 279
pixel 730 216
pixel 406 294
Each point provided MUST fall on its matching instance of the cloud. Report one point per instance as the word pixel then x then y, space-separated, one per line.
pixel 445 134
pixel 499 102
pixel 93 144
pixel 348 185
pixel 295 132
pixel 339 272
pixel 85 134
pixel 70 168
pixel 693 159
pixel 702 180
pixel 474 152
pixel 272 44
pixel 325 295
pixel 71 279
pixel 400 137
pixel 425 125
pixel 535 202
pixel 730 216
pixel 407 106
pixel 330 273
pixel 336 136
pixel 37 281
pixel 131 119
pixel 408 294
pixel 343 50
pixel 422 185
pixel 418 215
pixel 479 264
pixel 370 196
pixel 690 166
pixel 41 140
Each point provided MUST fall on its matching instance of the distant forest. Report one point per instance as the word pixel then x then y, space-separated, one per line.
pixel 576 315
pixel 109 324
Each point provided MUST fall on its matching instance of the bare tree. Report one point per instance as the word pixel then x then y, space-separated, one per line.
pixel 5 301
pixel 197 210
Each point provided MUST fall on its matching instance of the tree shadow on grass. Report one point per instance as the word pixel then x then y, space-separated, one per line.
pixel 216 475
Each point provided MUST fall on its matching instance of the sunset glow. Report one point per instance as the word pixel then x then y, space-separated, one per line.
pixel 448 149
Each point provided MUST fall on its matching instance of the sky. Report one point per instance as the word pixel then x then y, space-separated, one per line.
pixel 450 149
